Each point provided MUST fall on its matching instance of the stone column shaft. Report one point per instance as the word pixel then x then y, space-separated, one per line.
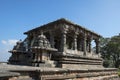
pixel 97 46
pixel 84 44
pixel 63 40
pixel 35 59
pixel 78 45
pixel 52 39
pixel 75 42
pixel 89 45
pixel 39 56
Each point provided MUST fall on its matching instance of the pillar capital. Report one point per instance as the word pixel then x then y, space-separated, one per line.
pixel 97 40
pixel 75 34
pixel 64 29
pixel 91 38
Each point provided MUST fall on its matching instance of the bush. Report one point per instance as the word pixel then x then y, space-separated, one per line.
pixel 119 72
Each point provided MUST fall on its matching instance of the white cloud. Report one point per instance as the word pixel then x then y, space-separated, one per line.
pixel 12 42
pixel 9 42
pixel 7 45
pixel 4 55
pixel 4 42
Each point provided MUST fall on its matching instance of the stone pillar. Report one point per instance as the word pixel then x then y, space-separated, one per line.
pixel 75 42
pixel 84 44
pixel 97 46
pixel 89 44
pixel 52 39
pixel 63 40
pixel 32 41
pixel 78 44
pixel 39 56
pixel 35 60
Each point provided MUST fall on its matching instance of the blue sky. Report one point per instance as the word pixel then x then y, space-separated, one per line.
pixel 18 16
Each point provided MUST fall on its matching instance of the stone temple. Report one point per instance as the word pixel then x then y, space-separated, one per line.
pixel 59 50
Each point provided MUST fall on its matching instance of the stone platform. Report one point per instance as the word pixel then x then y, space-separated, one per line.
pixel 45 73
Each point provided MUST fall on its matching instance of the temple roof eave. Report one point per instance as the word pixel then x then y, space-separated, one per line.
pixel 43 48
pixel 17 51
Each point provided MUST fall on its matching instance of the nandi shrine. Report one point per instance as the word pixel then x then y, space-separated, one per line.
pixel 59 50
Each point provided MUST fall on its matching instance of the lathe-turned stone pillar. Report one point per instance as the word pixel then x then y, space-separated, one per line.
pixel 75 42
pixel 97 46
pixel 52 39
pixel 63 40
pixel 84 44
pixel 33 39
pixel 78 45
pixel 89 45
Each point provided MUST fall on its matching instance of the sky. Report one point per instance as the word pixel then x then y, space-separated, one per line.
pixel 19 16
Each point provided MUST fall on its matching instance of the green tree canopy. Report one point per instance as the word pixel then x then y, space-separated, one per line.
pixel 110 50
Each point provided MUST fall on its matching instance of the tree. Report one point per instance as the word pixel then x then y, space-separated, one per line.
pixel 110 49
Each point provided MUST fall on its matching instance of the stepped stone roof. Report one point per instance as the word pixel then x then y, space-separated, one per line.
pixel 63 20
